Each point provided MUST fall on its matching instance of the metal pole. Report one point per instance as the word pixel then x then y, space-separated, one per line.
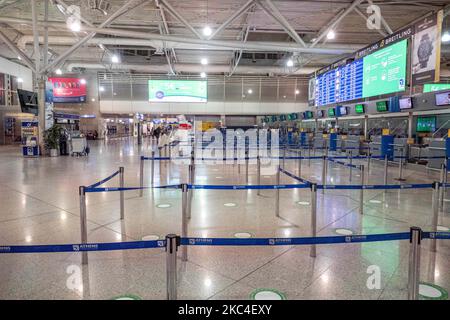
pixel 361 192
pixel 324 172
pixel 309 156
pixel 172 243
pixel 122 193
pixel 277 194
pixel 414 263
pixel 369 157
pixel 441 190
pixel 299 163
pixel 190 192
pixel 83 223
pixel 434 220
pixel 351 165
pixel 385 170
pixel 313 217
pixel 153 168
pixel 258 164
pixel 400 167
pixel 246 167
pixel 141 177
pixel 284 157
pixel 184 222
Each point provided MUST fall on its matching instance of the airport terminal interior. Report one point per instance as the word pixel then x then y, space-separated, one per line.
pixel 224 150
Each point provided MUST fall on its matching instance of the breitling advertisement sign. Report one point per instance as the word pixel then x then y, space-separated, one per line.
pixel 426 50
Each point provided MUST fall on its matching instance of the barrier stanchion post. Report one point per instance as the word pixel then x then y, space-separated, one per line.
pixel 400 166
pixel 313 217
pixel 246 167
pixel 300 163
pixel 122 192
pixel 190 192
pixel 141 177
pixel 184 218
pixel 351 165
pixel 361 192
pixel 258 165
pixel 83 223
pixel 385 170
pixel 277 193
pixel 172 244
pixel 324 172
pixel 434 219
pixel 309 156
pixel 284 158
pixel 414 263
pixel 441 189
pixel 153 168
pixel 369 156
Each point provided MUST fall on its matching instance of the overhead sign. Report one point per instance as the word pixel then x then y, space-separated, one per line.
pixel 177 91
pixel 67 90
pixel 426 50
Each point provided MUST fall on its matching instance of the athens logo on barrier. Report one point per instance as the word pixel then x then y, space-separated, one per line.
pixel 5 249
pixel 161 244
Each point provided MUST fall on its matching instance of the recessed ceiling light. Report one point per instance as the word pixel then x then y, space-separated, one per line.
pixel 83 81
pixel 19 80
pixel 58 71
pixel 115 59
pixel 19 57
pixel 75 26
pixel 297 91
pixel 204 61
pixel 290 63
pixel 250 91
pixel 207 31
pixel 331 34
pixel 101 89
pixel 203 74
pixel 446 37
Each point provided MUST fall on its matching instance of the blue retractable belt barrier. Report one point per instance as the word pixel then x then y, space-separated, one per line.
pixel 104 180
pixel 376 187
pixel 293 176
pixel 84 247
pixel 249 187
pixel 343 163
pixel 114 189
pixel 219 242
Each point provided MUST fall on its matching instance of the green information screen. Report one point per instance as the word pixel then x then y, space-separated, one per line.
pixel 431 87
pixel 177 91
pixel 385 70
pixel 426 124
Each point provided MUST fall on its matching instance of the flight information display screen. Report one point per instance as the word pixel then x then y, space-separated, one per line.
pixel 381 72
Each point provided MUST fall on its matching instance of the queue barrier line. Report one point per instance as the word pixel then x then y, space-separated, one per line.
pixel 115 189
pixel 192 241
pixel 272 157
pixel 248 187
pixel 293 176
pixel 376 186
pixel 104 180
pixel 342 163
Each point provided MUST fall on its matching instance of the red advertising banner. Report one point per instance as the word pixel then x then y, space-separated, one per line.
pixel 68 90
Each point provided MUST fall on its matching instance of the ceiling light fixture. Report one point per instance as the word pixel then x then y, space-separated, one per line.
pixel 203 74
pixel 207 31
pixel 204 61
pixel 75 26
pixel 83 81
pixel 331 34
pixel 290 63
pixel 58 71
pixel 446 37
pixel 115 59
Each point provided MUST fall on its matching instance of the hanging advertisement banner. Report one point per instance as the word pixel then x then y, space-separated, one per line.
pixel 49 119
pixel 426 50
pixel 68 90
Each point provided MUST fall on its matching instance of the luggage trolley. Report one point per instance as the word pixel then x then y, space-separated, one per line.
pixel 79 146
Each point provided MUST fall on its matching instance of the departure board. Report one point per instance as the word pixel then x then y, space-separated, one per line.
pixel 381 72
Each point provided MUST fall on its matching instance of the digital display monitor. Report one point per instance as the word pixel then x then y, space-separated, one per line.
pixel 426 124
pixel 320 114
pixel 343 110
pixel 359 108
pixel 274 119
pixel 292 116
pixel 443 99
pixel 67 90
pixel 432 87
pixel 177 91
pixel 379 73
pixel 331 112
pixel 28 101
pixel 405 103
pixel 282 117
pixel 382 106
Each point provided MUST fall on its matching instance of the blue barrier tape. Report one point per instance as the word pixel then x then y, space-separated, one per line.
pixel 294 241
pixel 249 187
pixel 436 235
pixel 115 189
pixel 376 187
pixel 293 176
pixel 104 180
pixel 84 247
pixel 343 163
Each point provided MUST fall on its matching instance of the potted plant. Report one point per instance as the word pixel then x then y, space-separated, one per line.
pixel 51 140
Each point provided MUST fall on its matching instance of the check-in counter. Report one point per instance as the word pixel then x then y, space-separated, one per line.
pixel 436 148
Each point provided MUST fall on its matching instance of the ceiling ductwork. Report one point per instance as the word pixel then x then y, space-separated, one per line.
pixel 189 68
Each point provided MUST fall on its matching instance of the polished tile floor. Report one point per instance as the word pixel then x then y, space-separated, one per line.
pixel 39 205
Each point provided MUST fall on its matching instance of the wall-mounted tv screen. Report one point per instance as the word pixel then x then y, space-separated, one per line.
pixel 405 103
pixel 382 106
pixel 359 108
pixel 67 90
pixel 28 101
pixel 331 112
pixel 320 114
pixel 292 116
pixel 426 124
pixel 309 115
pixel 431 87
pixel 177 91
pixel 443 99
pixel 282 117
pixel 274 119
pixel 343 110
